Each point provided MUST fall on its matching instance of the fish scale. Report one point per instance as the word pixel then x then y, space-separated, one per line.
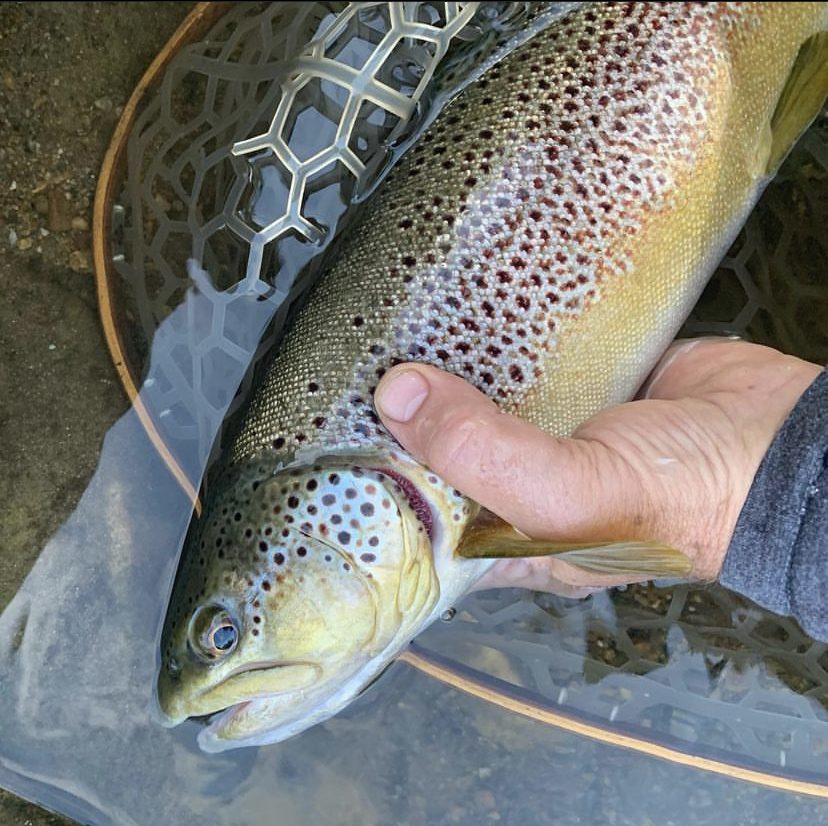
pixel 501 229
pixel 544 240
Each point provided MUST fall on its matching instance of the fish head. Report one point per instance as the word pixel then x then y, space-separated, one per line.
pixel 294 589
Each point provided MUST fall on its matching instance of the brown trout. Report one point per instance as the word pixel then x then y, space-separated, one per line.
pixel 544 240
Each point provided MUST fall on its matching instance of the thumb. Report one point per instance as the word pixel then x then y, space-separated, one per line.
pixel 565 489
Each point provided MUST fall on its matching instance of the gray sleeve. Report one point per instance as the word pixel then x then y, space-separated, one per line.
pixel 779 553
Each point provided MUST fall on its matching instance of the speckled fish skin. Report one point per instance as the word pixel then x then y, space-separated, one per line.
pixel 544 240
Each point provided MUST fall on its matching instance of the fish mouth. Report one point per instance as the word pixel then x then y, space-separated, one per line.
pixel 269 665
pixel 418 502
pixel 263 680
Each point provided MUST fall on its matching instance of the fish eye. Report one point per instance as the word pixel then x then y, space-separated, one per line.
pixel 213 632
pixel 223 638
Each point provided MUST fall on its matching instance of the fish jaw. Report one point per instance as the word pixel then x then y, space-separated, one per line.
pixel 268 720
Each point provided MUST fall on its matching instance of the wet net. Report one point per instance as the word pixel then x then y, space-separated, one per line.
pixel 254 153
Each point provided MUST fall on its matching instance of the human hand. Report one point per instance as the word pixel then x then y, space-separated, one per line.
pixel 675 465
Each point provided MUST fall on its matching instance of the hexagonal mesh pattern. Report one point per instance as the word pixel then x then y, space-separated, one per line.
pixel 250 158
pixel 771 286
pixel 698 668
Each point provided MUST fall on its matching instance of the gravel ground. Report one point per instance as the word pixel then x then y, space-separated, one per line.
pixel 66 70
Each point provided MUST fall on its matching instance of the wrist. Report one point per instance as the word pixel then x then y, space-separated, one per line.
pixel 772 392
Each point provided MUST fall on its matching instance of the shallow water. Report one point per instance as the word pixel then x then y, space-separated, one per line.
pixel 78 656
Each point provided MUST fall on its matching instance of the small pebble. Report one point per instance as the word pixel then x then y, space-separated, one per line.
pixel 79 222
pixel 78 261
pixel 24 244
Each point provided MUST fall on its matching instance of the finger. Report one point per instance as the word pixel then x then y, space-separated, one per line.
pixel 569 489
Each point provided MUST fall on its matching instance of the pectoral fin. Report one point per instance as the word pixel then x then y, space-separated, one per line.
pixel 489 537
pixel 801 99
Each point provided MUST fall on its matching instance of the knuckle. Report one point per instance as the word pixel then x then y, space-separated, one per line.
pixel 457 439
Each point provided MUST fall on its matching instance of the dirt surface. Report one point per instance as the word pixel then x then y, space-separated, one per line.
pixel 66 70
